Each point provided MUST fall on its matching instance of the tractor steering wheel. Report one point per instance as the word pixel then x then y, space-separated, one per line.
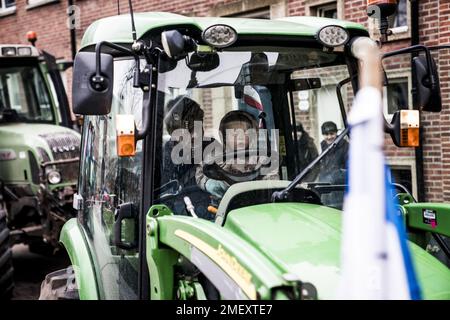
pixel 213 167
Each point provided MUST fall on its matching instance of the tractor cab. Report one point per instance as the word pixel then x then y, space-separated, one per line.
pixel 213 158
pixel 39 153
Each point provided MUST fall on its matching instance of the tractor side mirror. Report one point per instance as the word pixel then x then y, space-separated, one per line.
pixel 404 128
pixel 91 92
pixel 426 89
pixel 166 63
pixel 203 62
pixel 176 45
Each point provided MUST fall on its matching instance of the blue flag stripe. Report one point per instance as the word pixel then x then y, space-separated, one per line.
pixel 394 218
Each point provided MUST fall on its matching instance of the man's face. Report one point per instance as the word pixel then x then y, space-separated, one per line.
pixel 237 137
pixel 329 137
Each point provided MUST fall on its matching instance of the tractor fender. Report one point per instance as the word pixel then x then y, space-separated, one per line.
pixel 73 239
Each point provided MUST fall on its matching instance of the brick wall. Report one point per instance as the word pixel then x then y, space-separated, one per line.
pixel 49 22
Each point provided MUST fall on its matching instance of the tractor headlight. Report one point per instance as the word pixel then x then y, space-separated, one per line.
pixel 219 36
pixel 8 51
pixel 54 177
pixel 333 36
pixel 24 51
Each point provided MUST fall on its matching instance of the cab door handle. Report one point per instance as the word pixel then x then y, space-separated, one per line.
pixel 125 211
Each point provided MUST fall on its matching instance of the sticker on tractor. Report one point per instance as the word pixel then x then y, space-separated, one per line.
pixel 429 217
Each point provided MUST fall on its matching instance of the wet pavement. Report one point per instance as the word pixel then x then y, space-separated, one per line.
pixel 30 269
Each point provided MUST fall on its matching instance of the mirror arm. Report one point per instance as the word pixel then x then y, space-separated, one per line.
pixel 417 48
pixel 443 46
pixel 150 78
pixel 145 80
pixel 98 51
pixel 340 100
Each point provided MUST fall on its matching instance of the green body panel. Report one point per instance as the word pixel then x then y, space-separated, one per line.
pixel 117 28
pixel 304 239
pixel 160 259
pixel 21 138
pixel 441 211
pixel 162 230
pixel 73 239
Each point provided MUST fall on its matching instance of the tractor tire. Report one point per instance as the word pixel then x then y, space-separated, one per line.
pixel 6 265
pixel 60 285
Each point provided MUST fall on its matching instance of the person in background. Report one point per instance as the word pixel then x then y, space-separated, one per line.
pixel 306 148
pixel 332 166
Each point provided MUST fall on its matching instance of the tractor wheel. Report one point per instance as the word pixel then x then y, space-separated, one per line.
pixel 6 265
pixel 60 285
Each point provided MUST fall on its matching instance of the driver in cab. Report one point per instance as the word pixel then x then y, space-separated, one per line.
pixel 239 160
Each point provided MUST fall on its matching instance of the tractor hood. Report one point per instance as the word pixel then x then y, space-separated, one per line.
pixel 23 145
pixel 304 239
pixel 33 136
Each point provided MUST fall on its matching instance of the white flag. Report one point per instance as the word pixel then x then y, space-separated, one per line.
pixel 375 260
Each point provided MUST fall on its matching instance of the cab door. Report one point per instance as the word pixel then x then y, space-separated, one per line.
pixel 107 183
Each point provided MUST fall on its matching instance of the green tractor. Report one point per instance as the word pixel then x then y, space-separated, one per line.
pixel 162 215
pixel 39 154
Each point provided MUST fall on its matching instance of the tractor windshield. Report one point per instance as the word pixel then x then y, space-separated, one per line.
pixel 23 95
pixel 253 114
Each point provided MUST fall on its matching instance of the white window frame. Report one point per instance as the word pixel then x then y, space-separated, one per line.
pixel 257 13
pixel 408 163
pixel 312 5
pixel 31 4
pixel 278 8
pixel 321 9
pixel 399 33
pixel 7 11
pixel 392 76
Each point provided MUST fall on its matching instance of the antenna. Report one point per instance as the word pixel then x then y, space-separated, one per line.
pixel 118 7
pixel 133 27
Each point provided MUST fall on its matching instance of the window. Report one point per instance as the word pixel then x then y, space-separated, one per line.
pixel 24 96
pixel 37 3
pixel 325 8
pixel 402 176
pixel 399 23
pixel 262 13
pixel 262 9
pixel 7 4
pixel 400 19
pixel 7 7
pixel 397 95
pixel 326 11
pixel 403 172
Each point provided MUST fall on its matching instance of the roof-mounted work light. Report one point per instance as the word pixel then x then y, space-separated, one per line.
pixel 219 36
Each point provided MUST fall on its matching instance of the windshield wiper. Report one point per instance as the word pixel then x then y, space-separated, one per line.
pixel 281 195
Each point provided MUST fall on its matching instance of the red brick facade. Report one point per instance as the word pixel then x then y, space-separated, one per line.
pixel 49 21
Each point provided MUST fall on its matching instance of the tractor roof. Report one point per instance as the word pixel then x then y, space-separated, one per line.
pixel 118 28
pixel 18 51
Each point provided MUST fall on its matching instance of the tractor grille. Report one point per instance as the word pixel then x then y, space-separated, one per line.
pixel 69 172
pixel 63 145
